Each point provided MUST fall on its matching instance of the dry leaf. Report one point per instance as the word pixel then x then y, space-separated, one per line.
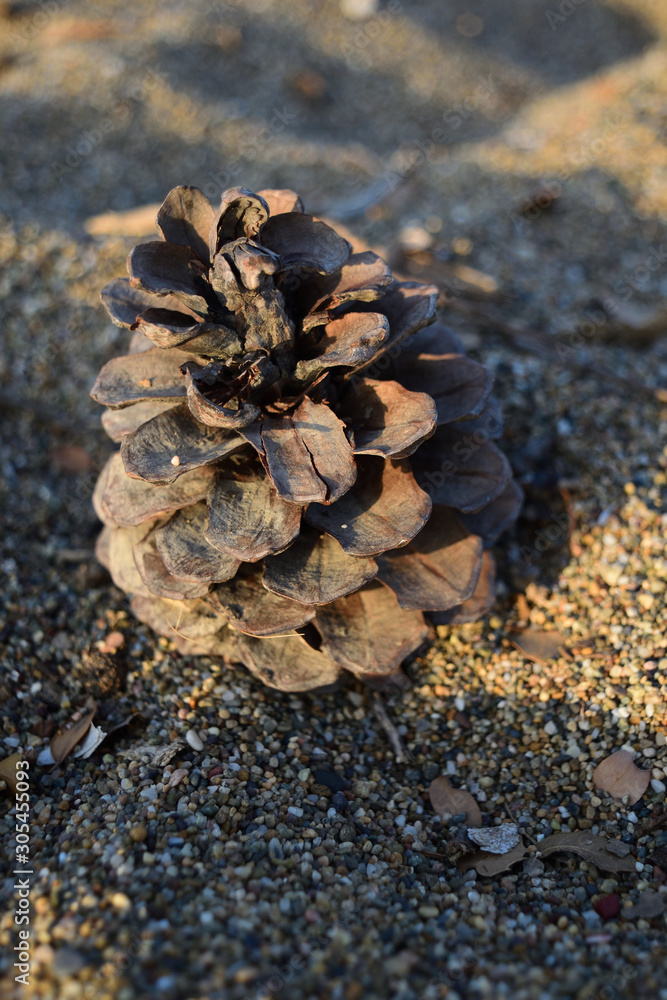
pixel 446 799
pixel 496 839
pixel 486 863
pixel 43 728
pixel 8 770
pixel 588 846
pixel 619 775
pixel 649 905
pixel 541 647
pixel 66 739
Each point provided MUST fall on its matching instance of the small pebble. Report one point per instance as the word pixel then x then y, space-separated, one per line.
pixel 194 740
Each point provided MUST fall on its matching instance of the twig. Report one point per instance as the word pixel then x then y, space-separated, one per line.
pixel 402 756
pixel 524 832
pixel 655 823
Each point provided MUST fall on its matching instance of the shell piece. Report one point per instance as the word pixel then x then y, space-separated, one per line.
pixel 495 839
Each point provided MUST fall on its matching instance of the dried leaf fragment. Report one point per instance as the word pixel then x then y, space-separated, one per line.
pixel 90 742
pixel 620 776
pixel 8 770
pixel 541 647
pixel 588 846
pixel 68 736
pixel 447 799
pixel 649 905
pixel 486 863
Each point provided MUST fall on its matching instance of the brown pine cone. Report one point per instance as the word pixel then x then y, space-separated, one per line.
pixel 303 468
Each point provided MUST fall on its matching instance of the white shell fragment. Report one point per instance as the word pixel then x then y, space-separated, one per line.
pixel 496 839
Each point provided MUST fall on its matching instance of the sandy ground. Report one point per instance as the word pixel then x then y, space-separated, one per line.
pixel 520 151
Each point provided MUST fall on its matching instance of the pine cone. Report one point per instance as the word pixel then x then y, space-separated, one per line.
pixel 303 468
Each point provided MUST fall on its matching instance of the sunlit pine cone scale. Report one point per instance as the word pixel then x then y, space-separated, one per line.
pixel 306 461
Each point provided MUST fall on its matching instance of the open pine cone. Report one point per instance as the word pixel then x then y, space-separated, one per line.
pixel 302 472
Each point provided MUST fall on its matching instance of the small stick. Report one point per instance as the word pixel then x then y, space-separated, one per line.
pixel 402 756
pixel 524 832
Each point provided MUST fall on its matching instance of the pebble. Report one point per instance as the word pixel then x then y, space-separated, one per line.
pixel 68 961
pixel 120 901
pixel 275 850
pixel 194 740
pixel 608 907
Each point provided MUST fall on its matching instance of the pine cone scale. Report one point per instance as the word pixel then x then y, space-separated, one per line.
pixel 172 444
pixel 316 570
pixel 384 509
pixel 248 518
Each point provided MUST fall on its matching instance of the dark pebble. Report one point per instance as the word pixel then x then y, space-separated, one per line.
pixel 339 802
pixel 334 782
